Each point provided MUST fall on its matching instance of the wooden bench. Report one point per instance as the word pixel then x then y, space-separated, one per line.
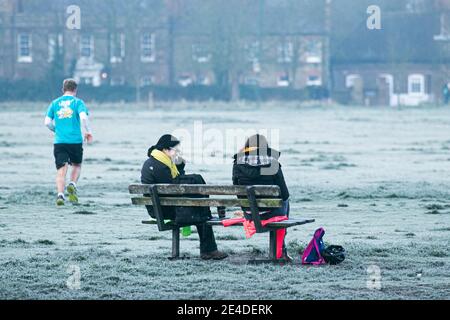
pixel 253 197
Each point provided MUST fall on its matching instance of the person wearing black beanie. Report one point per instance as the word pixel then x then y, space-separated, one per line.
pixel 165 166
pixel 166 142
pixel 258 164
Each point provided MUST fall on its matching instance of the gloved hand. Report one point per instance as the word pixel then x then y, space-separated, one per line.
pixel 181 164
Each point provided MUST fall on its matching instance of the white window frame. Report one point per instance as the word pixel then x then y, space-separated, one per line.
pixel 22 58
pixel 415 79
pixel 285 52
pixel 148 45
pixel 119 39
pixel 315 82
pixel 313 51
pixel 200 53
pixel 90 46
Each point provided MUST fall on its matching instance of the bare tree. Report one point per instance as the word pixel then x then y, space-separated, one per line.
pixel 227 25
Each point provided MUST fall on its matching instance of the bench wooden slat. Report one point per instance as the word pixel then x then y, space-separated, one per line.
pixel 208 202
pixel 283 224
pixel 207 190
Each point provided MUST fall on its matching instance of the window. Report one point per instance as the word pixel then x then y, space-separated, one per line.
pixel 416 84
pixel 283 80
pixel 147 81
pixel 55 46
pixel 445 24
pixel 314 80
pixel 117 48
pixel 200 53
pixel 313 51
pixel 148 47
pixel 444 35
pixel 24 48
pixel 185 80
pixel 252 51
pixel 87 46
pixel 352 80
pixel 285 52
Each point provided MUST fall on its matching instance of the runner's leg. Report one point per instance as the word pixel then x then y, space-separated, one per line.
pixel 76 172
pixel 72 187
pixel 61 179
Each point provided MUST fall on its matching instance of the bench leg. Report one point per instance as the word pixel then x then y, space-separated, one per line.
pixel 175 243
pixel 272 252
pixel 273 245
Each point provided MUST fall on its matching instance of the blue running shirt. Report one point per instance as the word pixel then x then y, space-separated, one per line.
pixel 65 111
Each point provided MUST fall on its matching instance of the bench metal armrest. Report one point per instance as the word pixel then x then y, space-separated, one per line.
pixel 251 194
pixel 157 209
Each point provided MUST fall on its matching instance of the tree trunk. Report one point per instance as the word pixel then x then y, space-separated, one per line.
pixel 235 93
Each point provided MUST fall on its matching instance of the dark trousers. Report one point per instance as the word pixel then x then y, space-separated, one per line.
pixel 207 239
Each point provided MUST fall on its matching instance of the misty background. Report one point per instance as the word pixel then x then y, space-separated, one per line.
pixel 299 50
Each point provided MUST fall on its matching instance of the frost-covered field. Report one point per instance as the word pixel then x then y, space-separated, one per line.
pixel 377 180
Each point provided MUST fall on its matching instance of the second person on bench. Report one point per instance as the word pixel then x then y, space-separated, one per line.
pixel 257 164
pixel 165 167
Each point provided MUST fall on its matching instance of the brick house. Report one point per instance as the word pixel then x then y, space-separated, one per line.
pixel 404 63
pixel 119 44
pixel 276 48
pixel 117 50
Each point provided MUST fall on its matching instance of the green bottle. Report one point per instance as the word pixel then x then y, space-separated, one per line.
pixel 186 231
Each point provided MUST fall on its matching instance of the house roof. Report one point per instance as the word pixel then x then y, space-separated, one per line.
pixel 250 17
pixel 403 38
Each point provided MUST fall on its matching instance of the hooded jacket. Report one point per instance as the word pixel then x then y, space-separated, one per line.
pixel 253 168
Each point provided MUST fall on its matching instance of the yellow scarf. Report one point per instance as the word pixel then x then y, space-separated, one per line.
pixel 249 149
pixel 165 159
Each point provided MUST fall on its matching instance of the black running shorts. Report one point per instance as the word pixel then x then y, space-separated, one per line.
pixel 68 154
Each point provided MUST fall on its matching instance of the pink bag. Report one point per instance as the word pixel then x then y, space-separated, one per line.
pixel 312 254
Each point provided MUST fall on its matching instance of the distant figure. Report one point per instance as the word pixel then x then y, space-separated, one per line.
pixel 257 164
pixel 446 93
pixel 164 166
pixel 63 118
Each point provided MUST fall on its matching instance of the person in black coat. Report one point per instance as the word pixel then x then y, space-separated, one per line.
pixel 258 164
pixel 165 167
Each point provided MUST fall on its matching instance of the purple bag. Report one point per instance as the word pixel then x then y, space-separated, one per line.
pixel 312 254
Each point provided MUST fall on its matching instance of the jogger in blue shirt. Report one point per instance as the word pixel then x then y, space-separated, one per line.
pixel 64 117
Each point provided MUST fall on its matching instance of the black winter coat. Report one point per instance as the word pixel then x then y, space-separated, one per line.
pixel 155 172
pixel 247 171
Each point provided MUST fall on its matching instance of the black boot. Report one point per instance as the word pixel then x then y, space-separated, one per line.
pixel 221 211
